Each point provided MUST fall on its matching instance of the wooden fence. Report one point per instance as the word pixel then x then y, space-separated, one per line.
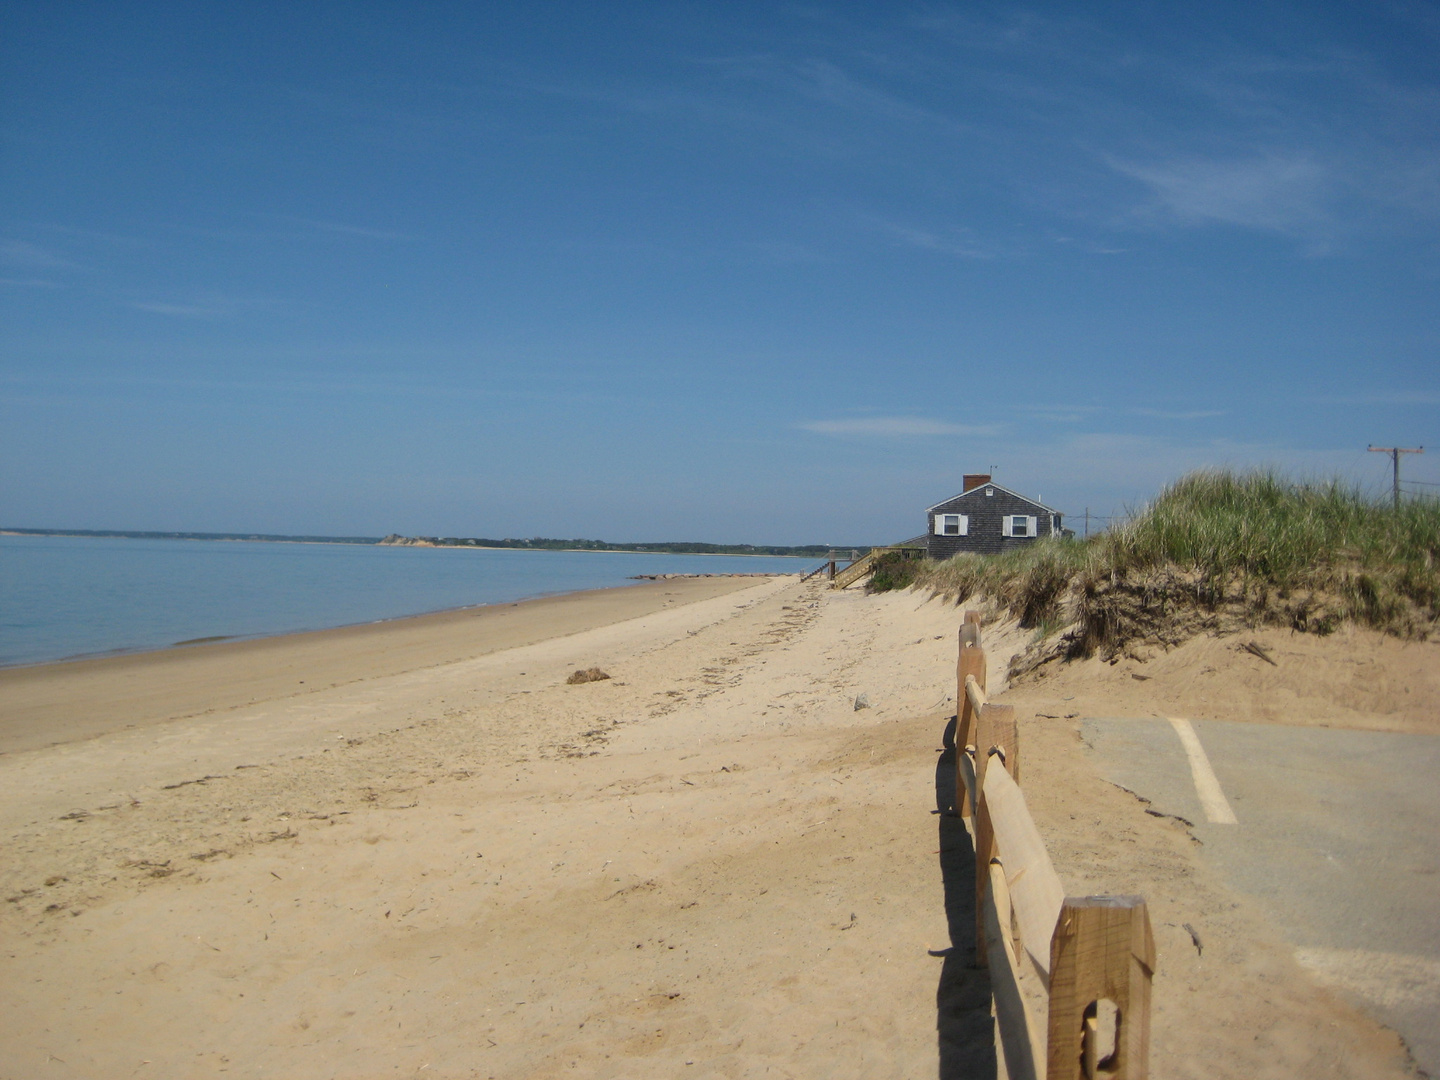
pixel 1070 974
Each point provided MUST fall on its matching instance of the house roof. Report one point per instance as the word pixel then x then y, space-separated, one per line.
pixel 981 489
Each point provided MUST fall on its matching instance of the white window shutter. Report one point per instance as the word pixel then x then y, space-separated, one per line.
pixel 1005 525
pixel 1031 527
pixel 939 528
pixel 964 524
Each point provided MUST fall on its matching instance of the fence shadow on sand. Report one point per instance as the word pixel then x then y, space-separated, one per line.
pixel 963 1022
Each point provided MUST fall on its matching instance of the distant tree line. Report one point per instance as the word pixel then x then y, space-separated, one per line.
pixel 669 547
pixel 534 543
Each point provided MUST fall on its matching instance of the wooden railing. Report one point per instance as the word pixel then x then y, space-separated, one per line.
pixel 865 565
pixel 831 566
pixel 856 570
pixel 827 567
pixel 1070 975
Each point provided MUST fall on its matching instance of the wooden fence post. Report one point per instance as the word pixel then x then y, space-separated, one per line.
pixel 1102 958
pixel 971 661
pixel 994 727
pixel 995 730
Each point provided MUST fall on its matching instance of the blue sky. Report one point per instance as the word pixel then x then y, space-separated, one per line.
pixel 734 272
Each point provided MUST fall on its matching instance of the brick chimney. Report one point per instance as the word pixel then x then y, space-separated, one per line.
pixel 974 480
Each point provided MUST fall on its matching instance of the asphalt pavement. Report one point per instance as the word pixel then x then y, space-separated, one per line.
pixel 1336 832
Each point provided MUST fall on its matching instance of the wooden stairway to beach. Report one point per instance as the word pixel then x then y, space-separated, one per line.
pixel 864 566
pixel 861 567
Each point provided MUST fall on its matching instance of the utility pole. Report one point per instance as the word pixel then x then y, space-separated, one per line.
pixel 1395 452
pixel 1087 523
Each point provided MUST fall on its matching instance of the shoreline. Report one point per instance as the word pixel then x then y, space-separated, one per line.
pixel 190 643
pixel 73 700
pixel 365 541
pixel 611 551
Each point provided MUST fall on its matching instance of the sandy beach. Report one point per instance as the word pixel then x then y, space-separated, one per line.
pixel 433 857
pixel 66 702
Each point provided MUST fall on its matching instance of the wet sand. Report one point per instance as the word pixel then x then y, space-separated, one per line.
pixel 47 704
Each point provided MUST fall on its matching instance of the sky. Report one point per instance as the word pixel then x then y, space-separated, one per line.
pixel 735 272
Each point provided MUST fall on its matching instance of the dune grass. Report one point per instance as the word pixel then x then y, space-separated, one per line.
pixel 894 570
pixel 1216 545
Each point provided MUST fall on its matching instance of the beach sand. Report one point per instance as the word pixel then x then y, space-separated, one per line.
pixel 438 859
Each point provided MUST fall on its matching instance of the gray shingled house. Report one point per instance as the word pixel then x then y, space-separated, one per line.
pixel 986 518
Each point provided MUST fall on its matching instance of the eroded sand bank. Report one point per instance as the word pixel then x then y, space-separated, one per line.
pixel 711 864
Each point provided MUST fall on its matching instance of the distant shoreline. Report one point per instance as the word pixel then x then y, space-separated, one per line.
pixel 614 551
pixel 753 551
pixel 651 547
pixel 95 598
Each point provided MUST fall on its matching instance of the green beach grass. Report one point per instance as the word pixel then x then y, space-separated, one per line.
pixel 1220 549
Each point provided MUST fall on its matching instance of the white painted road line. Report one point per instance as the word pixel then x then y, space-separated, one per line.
pixel 1207 785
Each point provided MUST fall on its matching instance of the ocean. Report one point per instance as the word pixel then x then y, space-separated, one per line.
pixel 63 597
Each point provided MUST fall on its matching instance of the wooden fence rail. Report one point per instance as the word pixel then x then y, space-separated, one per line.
pixel 1070 975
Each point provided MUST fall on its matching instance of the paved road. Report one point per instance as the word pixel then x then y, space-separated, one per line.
pixel 1336 832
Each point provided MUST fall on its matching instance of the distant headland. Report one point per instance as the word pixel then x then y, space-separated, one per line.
pixel 668 547
pixel 535 543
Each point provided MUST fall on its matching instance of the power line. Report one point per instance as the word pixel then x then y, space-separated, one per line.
pixel 1395 452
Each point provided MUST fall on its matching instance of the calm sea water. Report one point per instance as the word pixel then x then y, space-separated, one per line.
pixel 64 596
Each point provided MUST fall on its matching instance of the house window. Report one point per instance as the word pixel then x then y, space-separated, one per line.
pixel 952 525
pixel 989 491
pixel 1018 525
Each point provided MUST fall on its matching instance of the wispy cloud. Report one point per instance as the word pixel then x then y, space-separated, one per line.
pixel 1318 141
pixel 782 252
pixel 362 231
pixel 1060 414
pixel 184 311
pixel 30 283
pixel 1418 397
pixel 23 253
pixel 1276 192
pixel 294 226
pixel 825 81
pixel 93 237
pixel 1074 414
pixel 213 306
pixel 956 241
pixel 897 427
pixel 1092 247
pixel 1192 414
